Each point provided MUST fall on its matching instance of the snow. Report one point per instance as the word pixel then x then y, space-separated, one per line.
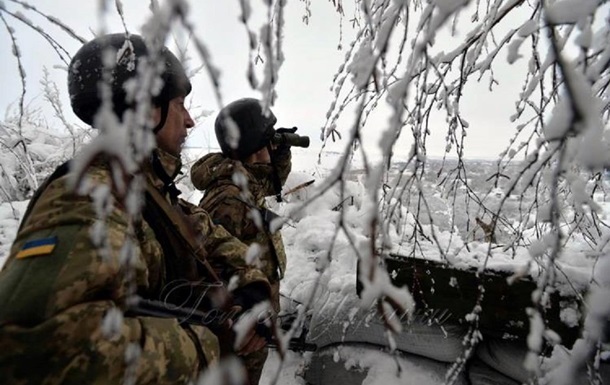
pixel 321 269
pixel 513 50
pixel 383 368
pixel 313 249
pixel 10 215
pixel 571 11
pixel 343 219
pixel 327 237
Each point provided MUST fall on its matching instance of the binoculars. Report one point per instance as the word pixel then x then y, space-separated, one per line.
pixel 290 139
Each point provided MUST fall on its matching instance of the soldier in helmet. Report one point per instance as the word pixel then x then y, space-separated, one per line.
pixel 261 156
pixel 72 277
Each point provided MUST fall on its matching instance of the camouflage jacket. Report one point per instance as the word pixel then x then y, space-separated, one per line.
pixel 67 270
pixel 231 208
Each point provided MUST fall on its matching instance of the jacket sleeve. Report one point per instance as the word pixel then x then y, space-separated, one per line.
pixel 229 211
pixel 68 287
pixel 199 170
pixel 227 253
pixel 282 158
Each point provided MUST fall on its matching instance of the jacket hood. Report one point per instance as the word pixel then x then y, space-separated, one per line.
pixel 214 168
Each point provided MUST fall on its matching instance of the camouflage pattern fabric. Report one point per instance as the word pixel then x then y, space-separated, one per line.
pixel 224 201
pixel 221 249
pixel 255 361
pixel 57 287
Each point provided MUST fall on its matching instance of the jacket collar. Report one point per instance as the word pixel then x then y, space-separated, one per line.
pixel 216 169
pixel 162 171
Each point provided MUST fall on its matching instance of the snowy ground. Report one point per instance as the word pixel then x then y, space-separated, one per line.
pixel 308 236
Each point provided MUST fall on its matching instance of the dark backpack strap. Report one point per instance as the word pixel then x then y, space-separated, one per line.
pixel 275 176
pixel 58 173
pixel 267 216
pixel 169 185
pixel 203 362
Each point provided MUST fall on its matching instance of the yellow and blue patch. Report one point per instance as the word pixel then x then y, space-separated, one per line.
pixel 37 247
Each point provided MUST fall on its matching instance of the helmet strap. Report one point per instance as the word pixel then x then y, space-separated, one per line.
pixel 164 111
pixel 169 185
pixel 275 176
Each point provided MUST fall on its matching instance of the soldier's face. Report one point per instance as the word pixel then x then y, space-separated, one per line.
pixel 261 156
pixel 172 135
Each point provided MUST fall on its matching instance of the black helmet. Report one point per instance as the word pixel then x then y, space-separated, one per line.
pixel 86 68
pixel 255 128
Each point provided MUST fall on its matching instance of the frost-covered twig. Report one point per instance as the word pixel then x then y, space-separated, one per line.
pixel 61 52
pixel 52 20
pixel 17 53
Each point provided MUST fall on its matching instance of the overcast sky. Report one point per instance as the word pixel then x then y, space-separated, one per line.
pixel 311 54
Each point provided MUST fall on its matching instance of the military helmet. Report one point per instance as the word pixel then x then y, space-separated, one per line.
pixel 86 72
pixel 254 126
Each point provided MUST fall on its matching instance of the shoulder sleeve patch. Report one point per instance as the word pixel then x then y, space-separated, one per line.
pixel 37 247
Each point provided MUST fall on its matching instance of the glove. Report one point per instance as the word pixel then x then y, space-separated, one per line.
pixel 286 137
pixel 280 139
pixel 248 296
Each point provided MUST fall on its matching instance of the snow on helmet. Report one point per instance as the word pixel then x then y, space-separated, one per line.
pixel 86 70
pixel 255 127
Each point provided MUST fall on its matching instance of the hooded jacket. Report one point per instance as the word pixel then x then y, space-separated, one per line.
pixel 235 198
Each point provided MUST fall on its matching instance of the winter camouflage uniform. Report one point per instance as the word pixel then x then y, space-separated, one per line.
pixel 227 206
pixel 57 287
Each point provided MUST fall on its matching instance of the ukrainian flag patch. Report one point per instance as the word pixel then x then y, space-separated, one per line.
pixel 37 247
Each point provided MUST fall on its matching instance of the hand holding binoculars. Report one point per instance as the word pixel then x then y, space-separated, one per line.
pixel 287 137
